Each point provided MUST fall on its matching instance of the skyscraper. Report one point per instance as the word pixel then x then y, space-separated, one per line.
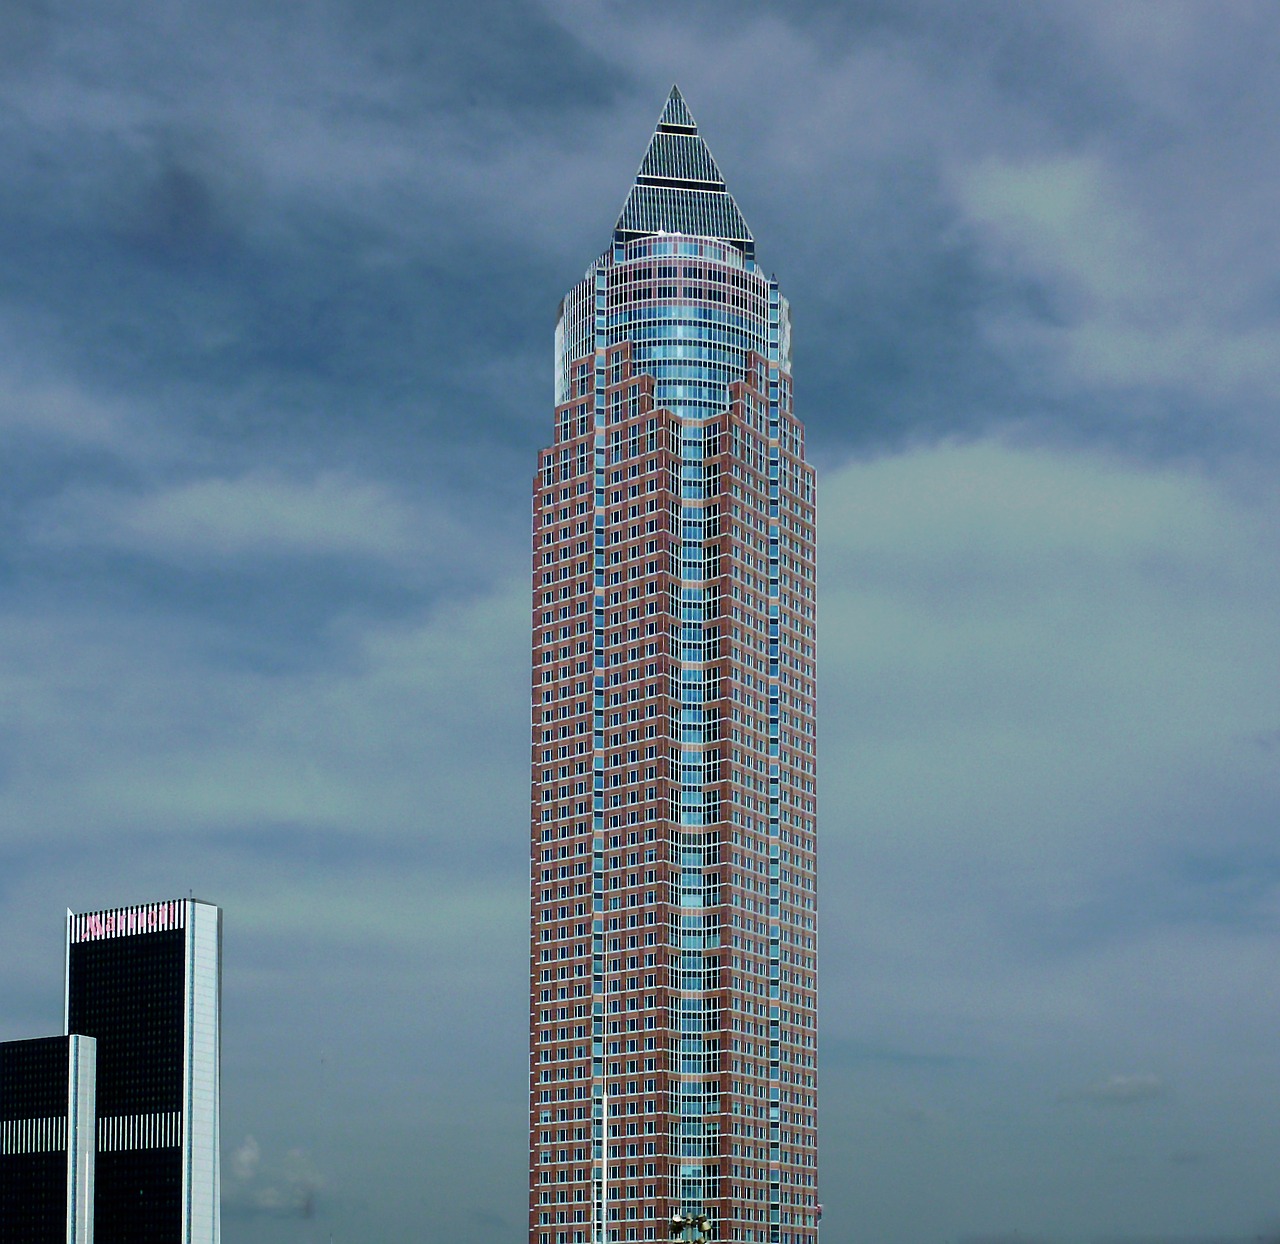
pixel 146 982
pixel 47 1140
pixel 673 1009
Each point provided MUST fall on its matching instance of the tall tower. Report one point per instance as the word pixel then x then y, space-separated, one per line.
pixel 146 982
pixel 673 1004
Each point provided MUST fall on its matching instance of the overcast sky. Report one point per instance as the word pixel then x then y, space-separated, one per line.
pixel 277 290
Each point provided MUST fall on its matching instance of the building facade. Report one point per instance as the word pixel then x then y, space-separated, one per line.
pixel 146 982
pixel 673 1008
pixel 47 1140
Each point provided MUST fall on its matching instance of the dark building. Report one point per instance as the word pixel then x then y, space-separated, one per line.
pixel 47 1140
pixel 146 982
pixel 673 955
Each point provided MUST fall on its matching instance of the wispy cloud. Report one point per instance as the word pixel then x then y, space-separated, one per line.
pixel 1119 1090
pixel 1126 303
pixel 284 1187
pixel 259 514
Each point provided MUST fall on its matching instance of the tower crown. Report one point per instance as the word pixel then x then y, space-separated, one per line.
pixel 679 187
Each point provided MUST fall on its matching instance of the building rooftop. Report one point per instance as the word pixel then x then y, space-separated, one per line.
pixel 679 187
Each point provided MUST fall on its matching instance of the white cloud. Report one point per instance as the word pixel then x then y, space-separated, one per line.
pixel 56 410
pixel 130 721
pixel 40 400
pixel 1137 296
pixel 260 513
pixel 283 1186
pixel 1047 833
pixel 1098 603
pixel 1120 1090
pixel 1040 674
pixel 1063 218
pixel 245 1159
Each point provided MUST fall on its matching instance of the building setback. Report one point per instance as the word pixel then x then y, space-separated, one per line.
pixel 673 1008
pixel 146 982
pixel 47 1140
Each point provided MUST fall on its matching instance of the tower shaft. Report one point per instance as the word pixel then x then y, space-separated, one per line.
pixel 673 1007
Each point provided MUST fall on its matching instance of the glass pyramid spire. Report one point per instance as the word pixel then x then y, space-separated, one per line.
pixel 676 112
pixel 679 188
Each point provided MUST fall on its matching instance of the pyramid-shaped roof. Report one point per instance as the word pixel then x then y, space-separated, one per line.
pixel 676 112
pixel 678 188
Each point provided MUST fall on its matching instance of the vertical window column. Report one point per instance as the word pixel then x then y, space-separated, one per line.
pixel 775 914
pixel 599 1089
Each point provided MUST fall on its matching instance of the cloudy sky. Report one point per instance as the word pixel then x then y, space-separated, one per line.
pixel 277 288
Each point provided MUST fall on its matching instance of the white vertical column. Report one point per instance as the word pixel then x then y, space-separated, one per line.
pixel 202 1057
pixel 81 1136
pixel 66 976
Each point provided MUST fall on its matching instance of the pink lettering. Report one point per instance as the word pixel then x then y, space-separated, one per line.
pixel 94 928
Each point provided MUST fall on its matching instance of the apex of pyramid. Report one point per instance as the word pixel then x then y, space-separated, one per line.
pixel 676 115
pixel 679 187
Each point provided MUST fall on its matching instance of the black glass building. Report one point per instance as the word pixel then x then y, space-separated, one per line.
pixel 146 982
pixel 47 1140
